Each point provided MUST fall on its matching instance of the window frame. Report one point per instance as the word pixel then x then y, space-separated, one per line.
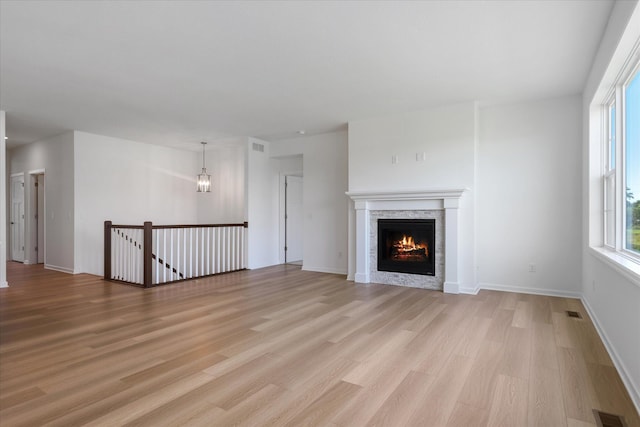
pixel 614 170
pixel 609 173
pixel 633 72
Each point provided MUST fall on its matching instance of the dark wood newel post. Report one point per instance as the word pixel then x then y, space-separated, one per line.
pixel 148 242
pixel 107 250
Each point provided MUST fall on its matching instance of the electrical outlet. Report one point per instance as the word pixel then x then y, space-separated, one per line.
pixel 532 268
pixel 394 159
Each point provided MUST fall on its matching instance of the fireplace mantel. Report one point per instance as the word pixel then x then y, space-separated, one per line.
pixel 445 199
pixel 453 194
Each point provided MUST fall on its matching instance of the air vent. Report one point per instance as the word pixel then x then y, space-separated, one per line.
pixel 574 314
pixel 258 147
pixel 604 419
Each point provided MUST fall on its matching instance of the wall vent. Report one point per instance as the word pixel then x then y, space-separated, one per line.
pixel 258 147
pixel 574 314
pixel 604 419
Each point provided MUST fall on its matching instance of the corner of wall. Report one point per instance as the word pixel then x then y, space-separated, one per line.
pixel 3 202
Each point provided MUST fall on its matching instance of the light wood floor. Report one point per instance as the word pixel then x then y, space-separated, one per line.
pixel 280 346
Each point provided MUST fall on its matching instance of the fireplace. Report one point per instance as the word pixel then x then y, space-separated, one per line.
pixel 407 246
pixel 442 205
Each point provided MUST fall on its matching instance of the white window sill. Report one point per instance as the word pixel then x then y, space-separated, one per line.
pixel 627 267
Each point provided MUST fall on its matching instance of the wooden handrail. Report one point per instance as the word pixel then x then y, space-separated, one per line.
pixel 244 224
pixel 155 227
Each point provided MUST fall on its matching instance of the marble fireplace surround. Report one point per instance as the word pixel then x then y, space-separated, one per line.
pixel 447 200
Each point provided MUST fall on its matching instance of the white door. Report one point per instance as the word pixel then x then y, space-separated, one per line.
pixel 293 219
pixel 17 218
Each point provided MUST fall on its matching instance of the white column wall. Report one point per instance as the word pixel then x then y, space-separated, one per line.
pixel 325 204
pixel 262 206
pixel 3 201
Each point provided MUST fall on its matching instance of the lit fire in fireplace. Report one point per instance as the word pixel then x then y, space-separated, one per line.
pixel 406 249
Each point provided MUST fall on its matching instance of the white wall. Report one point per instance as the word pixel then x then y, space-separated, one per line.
pixel 325 205
pixel 225 203
pixel 447 136
pixel 262 207
pixel 3 201
pixel 127 182
pixel 55 155
pixel 529 196
pixel 612 297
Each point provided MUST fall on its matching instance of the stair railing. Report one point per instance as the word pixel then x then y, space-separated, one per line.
pixel 149 255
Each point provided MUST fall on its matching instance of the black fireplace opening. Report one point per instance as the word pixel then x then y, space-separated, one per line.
pixel 407 246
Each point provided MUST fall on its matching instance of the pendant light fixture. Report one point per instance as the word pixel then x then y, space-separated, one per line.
pixel 204 180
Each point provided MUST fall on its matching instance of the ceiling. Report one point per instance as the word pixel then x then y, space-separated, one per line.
pixel 178 72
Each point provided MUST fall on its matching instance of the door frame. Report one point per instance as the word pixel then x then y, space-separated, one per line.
pixel 32 226
pixel 283 209
pixel 12 223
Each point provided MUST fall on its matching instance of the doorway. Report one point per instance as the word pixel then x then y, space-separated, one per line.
pixel 17 217
pixel 293 219
pixel 36 216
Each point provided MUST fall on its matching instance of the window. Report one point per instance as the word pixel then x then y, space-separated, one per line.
pixel 621 156
pixel 610 178
pixel 632 164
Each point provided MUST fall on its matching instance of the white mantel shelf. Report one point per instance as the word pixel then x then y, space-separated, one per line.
pixel 445 199
pixel 407 195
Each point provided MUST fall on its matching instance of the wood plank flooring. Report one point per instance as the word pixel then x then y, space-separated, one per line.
pixel 284 347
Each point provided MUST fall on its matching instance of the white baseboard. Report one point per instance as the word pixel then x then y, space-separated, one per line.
pixel 361 278
pixel 324 270
pixel 632 388
pixel 60 269
pixel 451 287
pixel 534 291
pixel 4 284
pixel 470 291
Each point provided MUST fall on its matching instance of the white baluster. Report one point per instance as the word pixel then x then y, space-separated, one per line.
pixel 164 255
pixel 208 251
pixel 114 261
pixel 177 254
pixel 217 249
pixel 172 263
pixel 226 251
pixel 236 247
pixel 232 238
pixel 190 252
pixel 157 245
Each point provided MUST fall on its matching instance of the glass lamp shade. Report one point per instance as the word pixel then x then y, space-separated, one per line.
pixel 204 182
